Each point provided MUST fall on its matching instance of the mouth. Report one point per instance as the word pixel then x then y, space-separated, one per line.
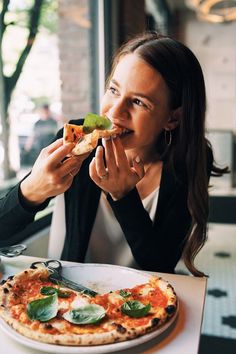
pixel 122 131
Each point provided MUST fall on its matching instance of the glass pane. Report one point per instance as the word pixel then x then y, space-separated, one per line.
pixel 58 81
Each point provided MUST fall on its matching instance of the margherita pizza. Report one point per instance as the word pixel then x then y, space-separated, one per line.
pixel 46 312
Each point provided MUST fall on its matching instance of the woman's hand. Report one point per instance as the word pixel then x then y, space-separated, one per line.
pixel 116 178
pixel 51 174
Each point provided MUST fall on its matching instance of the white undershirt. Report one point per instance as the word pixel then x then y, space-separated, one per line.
pixel 107 242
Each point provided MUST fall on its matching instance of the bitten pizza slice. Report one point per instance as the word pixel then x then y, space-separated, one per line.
pixel 86 136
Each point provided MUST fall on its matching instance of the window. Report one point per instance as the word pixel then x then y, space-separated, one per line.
pixel 59 80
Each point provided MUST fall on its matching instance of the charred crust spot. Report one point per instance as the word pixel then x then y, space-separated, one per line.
pixel 155 321
pixel 9 285
pixel 26 271
pixel 72 129
pixel 5 290
pixel 48 326
pixel 2 305
pixel 2 282
pixel 119 328
pixel 10 277
pixel 170 309
pixel 74 135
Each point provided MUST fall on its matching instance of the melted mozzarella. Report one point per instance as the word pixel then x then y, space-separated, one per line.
pixel 79 302
pixel 115 299
pixel 144 291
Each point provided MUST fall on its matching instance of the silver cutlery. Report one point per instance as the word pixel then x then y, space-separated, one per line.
pixel 12 251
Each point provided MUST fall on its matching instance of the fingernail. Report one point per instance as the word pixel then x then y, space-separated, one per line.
pixel 137 159
pixel 104 140
pixel 99 148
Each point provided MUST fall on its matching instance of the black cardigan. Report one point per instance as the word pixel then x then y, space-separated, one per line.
pixel 155 246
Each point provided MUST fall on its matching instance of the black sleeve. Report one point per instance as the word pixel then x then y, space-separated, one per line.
pixel 155 246
pixel 16 213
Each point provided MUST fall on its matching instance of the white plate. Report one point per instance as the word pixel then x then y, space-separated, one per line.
pixel 101 278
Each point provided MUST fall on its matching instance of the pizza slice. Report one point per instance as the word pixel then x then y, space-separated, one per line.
pixel 86 136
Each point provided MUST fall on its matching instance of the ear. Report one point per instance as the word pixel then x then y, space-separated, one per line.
pixel 174 119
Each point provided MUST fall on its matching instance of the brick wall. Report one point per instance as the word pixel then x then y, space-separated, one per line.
pixel 74 36
pixel 75 33
pixel 132 18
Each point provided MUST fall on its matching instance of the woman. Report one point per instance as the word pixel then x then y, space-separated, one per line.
pixel 147 188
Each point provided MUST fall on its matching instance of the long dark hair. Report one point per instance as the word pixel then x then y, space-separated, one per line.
pixel 189 149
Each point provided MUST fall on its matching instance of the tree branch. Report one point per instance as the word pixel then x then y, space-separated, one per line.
pixel 2 16
pixel 34 17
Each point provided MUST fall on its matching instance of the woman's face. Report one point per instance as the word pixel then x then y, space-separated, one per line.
pixel 137 100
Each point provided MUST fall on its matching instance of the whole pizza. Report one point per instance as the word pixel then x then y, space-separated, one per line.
pixel 44 311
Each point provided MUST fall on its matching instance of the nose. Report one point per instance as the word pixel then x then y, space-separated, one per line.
pixel 118 111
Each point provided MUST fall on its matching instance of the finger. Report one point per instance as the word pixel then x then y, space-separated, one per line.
pixel 59 154
pixel 121 158
pixel 109 155
pixel 99 160
pixel 55 145
pixel 67 182
pixel 71 164
pixel 74 172
pixel 138 167
pixel 93 172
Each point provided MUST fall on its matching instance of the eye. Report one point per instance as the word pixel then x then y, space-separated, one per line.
pixel 139 103
pixel 112 90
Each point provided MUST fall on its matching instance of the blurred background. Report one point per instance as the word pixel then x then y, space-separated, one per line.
pixel 54 59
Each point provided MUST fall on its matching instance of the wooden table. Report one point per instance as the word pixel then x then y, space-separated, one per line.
pixel 182 337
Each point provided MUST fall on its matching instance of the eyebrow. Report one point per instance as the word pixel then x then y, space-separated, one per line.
pixel 137 93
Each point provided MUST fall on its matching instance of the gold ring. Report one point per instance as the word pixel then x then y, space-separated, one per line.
pixel 104 176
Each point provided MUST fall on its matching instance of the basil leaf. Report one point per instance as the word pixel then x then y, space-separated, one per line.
pixel 93 121
pixel 43 309
pixel 135 308
pixel 63 294
pixel 124 293
pixel 49 290
pixel 88 314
